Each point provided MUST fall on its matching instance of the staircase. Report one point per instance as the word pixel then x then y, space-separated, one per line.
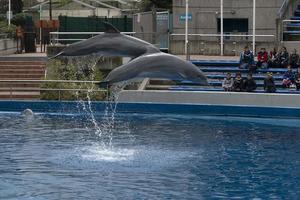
pixel 17 70
pixel 291 31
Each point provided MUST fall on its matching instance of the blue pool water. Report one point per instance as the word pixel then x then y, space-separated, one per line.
pixel 150 157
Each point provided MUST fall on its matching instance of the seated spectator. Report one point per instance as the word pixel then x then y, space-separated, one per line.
pixel 282 58
pixel 249 84
pixel 238 83
pixel 288 78
pixel 273 56
pixel 269 83
pixel 297 79
pixel 246 59
pixel 294 59
pixel 262 58
pixel 227 82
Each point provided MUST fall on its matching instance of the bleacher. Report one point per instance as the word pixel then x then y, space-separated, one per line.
pixel 292 29
pixel 216 72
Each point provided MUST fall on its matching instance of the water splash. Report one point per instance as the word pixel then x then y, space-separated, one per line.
pixel 104 129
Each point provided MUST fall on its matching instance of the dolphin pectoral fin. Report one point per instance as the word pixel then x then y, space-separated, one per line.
pixel 103 84
pixel 109 28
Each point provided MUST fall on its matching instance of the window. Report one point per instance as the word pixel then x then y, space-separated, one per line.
pixel 234 25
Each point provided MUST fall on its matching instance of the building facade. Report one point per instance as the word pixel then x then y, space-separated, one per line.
pixel 204 18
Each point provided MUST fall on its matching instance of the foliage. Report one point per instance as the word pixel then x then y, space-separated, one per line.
pixel 147 5
pixel 19 19
pixel 60 70
pixel 9 30
pixel 16 6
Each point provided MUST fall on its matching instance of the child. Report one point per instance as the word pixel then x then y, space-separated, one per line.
pixel 249 84
pixel 227 82
pixel 297 79
pixel 269 84
pixel 246 58
pixel 262 58
pixel 238 83
pixel 288 78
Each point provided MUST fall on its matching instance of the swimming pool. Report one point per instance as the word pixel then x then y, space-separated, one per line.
pixel 148 156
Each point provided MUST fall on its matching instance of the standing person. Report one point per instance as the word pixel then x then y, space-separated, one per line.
pixel 294 59
pixel 246 59
pixel 227 82
pixel 249 84
pixel 269 83
pixel 238 83
pixel 297 79
pixel 262 58
pixel 288 78
pixel 283 58
pixel 20 39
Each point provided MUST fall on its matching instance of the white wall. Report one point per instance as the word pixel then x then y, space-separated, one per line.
pixel 7 46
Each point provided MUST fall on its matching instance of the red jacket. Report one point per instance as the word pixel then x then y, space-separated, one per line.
pixel 263 57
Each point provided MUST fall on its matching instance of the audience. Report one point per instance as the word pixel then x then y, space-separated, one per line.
pixel 246 59
pixel 262 59
pixel 282 58
pixel 269 83
pixel 249 84
pixel 288 78
pixel 238 83
pixel 297 79
pixel 227 82
pixel 294 59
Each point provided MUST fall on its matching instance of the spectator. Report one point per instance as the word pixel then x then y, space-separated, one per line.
pixel 269 83
pixel 282 58
pixel 249 84
pixel 20 39
pixel 246 59
pixel 294 59
pixel 262 58
pixel 273 56
pixel 227 82
pixel 297 79
pixel 238 83
pixel 288 78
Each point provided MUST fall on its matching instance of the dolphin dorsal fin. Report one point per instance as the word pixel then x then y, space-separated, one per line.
pixel 109 28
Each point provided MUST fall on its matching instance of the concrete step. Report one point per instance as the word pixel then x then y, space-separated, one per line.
pixel 22 71
pixel 21 76
pixel 19 85
pixel 22 63
pixel 20 89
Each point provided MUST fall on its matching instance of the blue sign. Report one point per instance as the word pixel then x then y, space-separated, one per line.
pixel 182 17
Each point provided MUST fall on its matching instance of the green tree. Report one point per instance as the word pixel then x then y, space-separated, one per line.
pixel 16 6
pixel 147 5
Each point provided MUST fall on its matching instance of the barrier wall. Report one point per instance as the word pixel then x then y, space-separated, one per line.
pixel 7 46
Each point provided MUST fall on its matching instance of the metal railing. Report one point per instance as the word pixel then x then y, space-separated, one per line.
pixel 9 87
pixel 54 36
pixel 283 27
pixel 283 8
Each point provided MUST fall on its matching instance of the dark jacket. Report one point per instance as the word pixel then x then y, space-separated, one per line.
pixel 283 57
pixel 294 60
pixel 269 85
pixel 238 85
pixel 289 75
pixel 249 85
pixel 247 57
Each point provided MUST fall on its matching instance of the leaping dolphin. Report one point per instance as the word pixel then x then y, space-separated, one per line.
pixel 110 43
pixel 157 65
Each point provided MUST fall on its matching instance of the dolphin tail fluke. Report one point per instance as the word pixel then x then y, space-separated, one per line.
pixel 56 56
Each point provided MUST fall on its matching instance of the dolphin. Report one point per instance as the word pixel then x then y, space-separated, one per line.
pixel 110 43
pixel 156 65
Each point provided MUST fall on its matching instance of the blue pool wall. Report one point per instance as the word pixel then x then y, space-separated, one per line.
pixel 72 107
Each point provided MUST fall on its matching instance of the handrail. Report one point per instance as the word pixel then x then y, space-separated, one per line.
pixel 283 8
pixel 218 35
pixel 45 81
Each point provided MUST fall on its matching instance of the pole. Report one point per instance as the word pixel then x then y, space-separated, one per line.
pixel 50 9
pixel 222 28
pixel 41 27
pixel 9 12
pixel 254 26
pixel 186 27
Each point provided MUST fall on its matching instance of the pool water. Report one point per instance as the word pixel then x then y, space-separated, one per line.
pixel 148 157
